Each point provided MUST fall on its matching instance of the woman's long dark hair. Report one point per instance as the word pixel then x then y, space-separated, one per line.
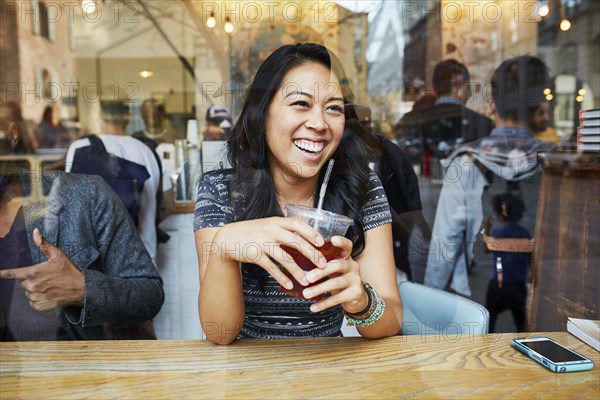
pixel 247 147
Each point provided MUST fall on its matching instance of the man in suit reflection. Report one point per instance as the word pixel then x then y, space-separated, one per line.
pixel 449 122
pixel 72 265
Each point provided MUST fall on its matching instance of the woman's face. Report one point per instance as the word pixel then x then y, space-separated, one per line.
pixel 305 122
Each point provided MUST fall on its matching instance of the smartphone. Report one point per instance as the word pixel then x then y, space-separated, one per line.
pixel 552 355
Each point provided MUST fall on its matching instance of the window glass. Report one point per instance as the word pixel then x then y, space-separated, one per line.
pixel 170 62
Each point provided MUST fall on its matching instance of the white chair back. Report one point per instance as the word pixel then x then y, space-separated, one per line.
pixel 429 311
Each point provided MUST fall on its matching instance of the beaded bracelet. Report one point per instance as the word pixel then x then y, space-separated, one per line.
pixel 372 313
pixel 368 310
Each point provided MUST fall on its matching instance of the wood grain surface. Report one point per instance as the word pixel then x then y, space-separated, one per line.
pixel 435 366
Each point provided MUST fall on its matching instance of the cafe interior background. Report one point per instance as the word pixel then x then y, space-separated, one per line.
pixel 189 55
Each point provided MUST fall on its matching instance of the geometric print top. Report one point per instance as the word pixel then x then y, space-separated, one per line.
pixel 270 313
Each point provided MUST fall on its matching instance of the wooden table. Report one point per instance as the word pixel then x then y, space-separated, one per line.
pixel 434 366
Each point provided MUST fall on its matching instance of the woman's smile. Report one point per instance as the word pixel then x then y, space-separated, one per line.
pixel 309 146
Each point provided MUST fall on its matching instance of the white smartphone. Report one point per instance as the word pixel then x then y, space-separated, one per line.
pixel 552 355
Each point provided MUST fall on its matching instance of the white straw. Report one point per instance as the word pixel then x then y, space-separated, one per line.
pixel 324 184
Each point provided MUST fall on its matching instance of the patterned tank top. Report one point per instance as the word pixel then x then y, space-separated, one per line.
pixel 271 313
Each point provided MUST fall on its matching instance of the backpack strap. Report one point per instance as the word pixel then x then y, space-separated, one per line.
pixel 96 142
pixel 161 235
pixel 152 145
pixel 489 175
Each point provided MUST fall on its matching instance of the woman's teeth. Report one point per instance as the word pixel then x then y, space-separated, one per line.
pixel 307 145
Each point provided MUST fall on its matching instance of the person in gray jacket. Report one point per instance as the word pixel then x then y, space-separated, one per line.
pixel 72 266
pixel 504 161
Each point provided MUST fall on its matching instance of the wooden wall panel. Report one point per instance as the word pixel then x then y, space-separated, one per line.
pixel 566 258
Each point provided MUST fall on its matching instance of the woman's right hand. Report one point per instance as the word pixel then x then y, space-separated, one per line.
pixel 259 242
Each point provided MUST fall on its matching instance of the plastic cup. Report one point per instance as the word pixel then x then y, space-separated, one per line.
pixel 328 224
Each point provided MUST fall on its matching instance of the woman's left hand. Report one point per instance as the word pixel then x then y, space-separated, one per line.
pixel 344 281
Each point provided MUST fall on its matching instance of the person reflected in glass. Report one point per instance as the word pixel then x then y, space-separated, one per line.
pixel 408 130
pixel 25 142
pixel 539 124
pixel 131 167
pixel 218 123
pixel 72 266
pixel 505 162
pixel 291 125
pixel 50 132
pixel 507 289
pixel 410 232
pixel 449 123
pixel 155 122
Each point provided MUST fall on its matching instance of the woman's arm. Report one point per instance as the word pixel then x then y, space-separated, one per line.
pixel 220 301
pixel 377 267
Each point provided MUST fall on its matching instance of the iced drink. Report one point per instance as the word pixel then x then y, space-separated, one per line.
pixel 328 224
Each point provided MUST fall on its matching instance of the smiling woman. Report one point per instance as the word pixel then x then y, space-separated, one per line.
pixel 291 124
pixel 305 126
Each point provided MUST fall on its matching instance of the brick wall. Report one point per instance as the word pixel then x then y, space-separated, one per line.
pixel 36 53
pixel 9 52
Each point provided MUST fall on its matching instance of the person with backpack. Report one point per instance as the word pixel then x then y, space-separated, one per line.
pixel 507 289
pixel 128 165
pixel 507 158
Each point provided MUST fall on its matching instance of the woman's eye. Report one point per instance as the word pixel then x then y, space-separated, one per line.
pixel 300 103
pixel 336 108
